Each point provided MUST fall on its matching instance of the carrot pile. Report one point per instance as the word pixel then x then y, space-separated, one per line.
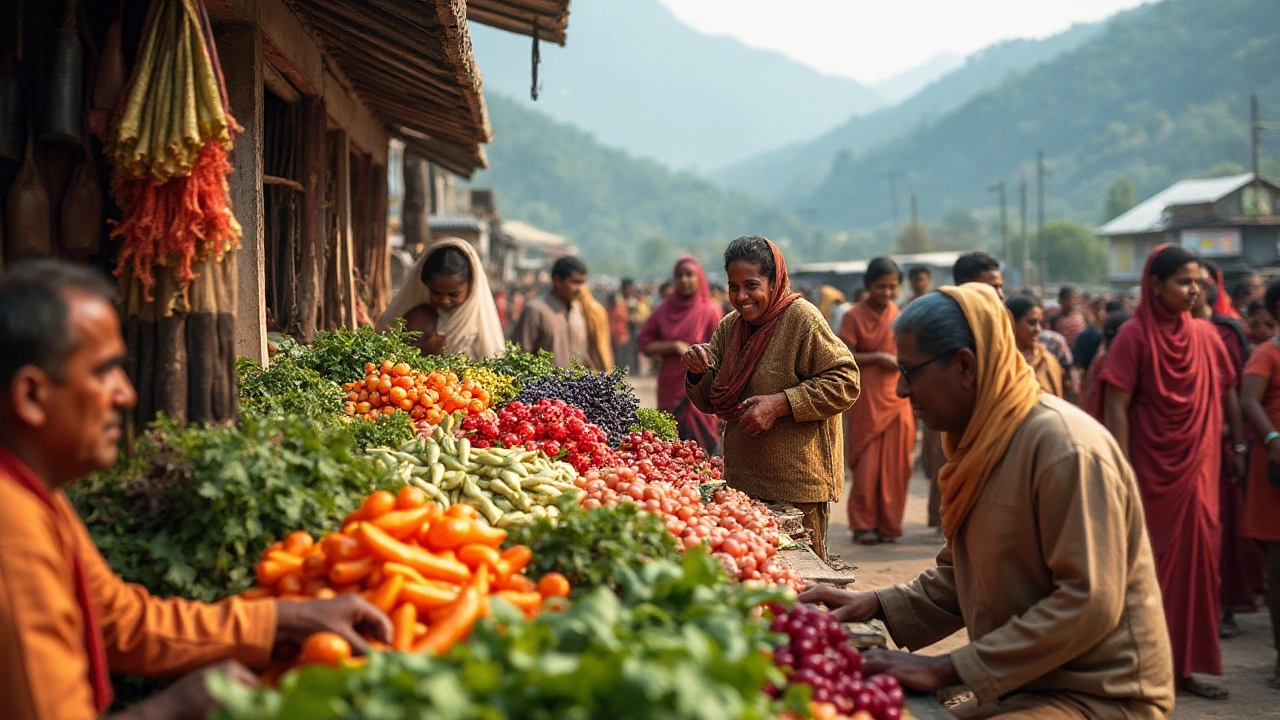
pixel 425 396
pixel 433 572
pixel 168 149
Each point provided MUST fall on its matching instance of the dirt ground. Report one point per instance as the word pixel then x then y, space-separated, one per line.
pixel 1247 659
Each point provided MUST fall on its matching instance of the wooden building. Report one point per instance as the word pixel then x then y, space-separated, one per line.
pixel 1233 220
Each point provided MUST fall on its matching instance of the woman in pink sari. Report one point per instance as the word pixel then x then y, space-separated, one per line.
pixel 687 317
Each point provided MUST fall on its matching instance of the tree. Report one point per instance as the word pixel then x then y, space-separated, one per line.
pixel 914 239
pixel 1120 198
pixel 1073 254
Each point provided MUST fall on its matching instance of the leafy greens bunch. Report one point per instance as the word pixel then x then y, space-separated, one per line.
pixel 681 641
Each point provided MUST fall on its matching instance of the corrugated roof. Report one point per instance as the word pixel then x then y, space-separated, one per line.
pixel 1149 215
pixel 454 222
pixel 410 61
pixel 523 232
pixel 854 267
pixel 550 18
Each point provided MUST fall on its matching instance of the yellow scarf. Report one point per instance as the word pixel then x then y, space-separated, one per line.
pixel 1007 390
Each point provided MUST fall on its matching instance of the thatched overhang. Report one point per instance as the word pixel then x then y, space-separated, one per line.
pixel 547 19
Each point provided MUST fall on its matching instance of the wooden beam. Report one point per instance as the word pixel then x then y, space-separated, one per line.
pixel 290 46
pixel 277 83
pixel 242 65
pixel 361 126
pixel 311 260
pixel 346 252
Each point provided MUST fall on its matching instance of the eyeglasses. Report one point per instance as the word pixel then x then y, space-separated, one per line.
pixel 907 372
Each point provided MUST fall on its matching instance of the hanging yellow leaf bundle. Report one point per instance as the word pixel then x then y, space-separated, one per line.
pixel 169 149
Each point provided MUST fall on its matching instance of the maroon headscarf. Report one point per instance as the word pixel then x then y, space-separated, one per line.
pixel 1182 367
pixel 684 317
pixel 1222 302
pixel 747 343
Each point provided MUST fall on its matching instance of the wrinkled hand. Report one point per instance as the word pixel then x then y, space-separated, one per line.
pixel 757 413
pixel 922 673
pixel 346 615
pixel 846 605
pixel 188 698
pixel 698 359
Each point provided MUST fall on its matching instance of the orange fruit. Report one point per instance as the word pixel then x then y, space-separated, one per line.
pixel 325 647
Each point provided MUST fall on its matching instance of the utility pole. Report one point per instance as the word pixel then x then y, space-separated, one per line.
pixel 1044 262
pixel 1026 251
pixel 915 215
pixel 1255 126
pixel 1005 257
pixel 893 201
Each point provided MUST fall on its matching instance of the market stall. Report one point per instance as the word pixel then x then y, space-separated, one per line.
pixel 533 520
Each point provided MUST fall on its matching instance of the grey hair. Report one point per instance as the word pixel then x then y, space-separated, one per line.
pixel 937 323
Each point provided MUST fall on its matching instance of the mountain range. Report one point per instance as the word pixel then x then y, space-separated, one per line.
pixel 637 78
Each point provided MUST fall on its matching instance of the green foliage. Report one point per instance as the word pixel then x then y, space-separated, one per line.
pixel 191 514
pixel 520 366
pixel 915 239
pixel 594 548
pixel 680 641
pixel 1073 253
pixel 1121 197
pixel 657 422
pixel 608 202
pixel 390 431
pixel 340 355
pixel 287 389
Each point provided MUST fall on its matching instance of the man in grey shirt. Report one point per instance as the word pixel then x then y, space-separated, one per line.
pixel 555 321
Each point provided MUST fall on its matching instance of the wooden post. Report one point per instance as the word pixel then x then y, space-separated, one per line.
pixel 311 269
pixel 346 259
pixel 240 49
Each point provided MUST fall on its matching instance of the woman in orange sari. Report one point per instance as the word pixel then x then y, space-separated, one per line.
pixel 1028 321
pixel 881 428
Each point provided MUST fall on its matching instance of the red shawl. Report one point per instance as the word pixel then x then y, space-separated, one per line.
pixel 747 343
pixel 691 320
pixel 12 467
pixel 1222 301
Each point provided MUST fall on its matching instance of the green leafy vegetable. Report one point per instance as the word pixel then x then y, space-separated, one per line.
pixel 523 368
pixel 659 423
pixel 595 548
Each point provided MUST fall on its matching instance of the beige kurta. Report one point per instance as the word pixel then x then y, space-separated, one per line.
pixel 1052 574
pixel 548 324
pixel 801 458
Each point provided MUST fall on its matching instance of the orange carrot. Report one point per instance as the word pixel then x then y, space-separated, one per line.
pixel 404 619
pixel 402 524
pixel 473 556
pixel 429 565
pixel 410 575
pixel 518 556
pixel 453 628
pixel 388 593
pixel 350 572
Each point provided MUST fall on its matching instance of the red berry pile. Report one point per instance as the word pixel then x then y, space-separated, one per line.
pixel 818 654
pixel 739 531
pixel 552 426
pixel 677 462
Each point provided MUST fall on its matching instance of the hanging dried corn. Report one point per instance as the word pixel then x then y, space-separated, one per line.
pixel 168 148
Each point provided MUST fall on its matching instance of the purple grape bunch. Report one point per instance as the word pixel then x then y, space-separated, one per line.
pixel 605 398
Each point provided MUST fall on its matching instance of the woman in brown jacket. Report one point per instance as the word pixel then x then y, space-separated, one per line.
pixel 779 377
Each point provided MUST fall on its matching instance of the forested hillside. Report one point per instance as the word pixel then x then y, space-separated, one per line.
pixel 1162 93
pixel 629 216
pixel 790 173
pixel 637 78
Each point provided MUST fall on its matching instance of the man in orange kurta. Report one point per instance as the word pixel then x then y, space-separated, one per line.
pixel 65 618
pixel 881 430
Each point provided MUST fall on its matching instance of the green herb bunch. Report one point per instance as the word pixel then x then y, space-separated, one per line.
pixel 594 548
pixel 681 641
pixel 287 389
pixel 523 368
pixel 340 355
pixel 659 423
pixel 191 515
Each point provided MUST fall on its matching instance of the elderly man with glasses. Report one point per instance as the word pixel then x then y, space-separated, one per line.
pixel 1047 564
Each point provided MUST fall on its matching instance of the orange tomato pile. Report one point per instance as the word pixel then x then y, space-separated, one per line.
pixel 425 396
pixel 433 572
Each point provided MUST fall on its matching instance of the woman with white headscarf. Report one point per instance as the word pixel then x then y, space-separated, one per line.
pixel 446 297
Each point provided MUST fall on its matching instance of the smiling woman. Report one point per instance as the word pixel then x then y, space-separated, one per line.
pixel 778 377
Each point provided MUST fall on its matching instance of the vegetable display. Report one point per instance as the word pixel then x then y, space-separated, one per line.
pixel 506 486
pixel 605 398
pixel 674 461
pixel 818 654
pixel 431 570
pixel 552 426
pixel 390 387
pixel 662 424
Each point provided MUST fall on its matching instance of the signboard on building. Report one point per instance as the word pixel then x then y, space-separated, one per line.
pixel 1213 243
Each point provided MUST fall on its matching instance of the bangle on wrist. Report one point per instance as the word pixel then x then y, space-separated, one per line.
pixel 1271 437
pixel 1241 448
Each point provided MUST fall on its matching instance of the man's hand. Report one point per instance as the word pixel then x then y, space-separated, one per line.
pixel 188 698
pixel 922 673
pixel 698 359
pixel 846 605
pixel 757 413
pixel 346 615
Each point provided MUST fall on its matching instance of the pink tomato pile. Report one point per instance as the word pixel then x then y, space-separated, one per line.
pixel 675 461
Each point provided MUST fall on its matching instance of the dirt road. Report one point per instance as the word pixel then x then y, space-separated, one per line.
pixel 1247 660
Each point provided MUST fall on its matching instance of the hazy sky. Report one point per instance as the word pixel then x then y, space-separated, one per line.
pixel 870 40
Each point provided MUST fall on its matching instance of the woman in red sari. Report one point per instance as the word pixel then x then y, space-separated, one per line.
pixel 881 429
pixel 686 318
pixel 1169 386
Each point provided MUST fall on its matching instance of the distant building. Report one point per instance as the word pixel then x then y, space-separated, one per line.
pixel 1231 220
